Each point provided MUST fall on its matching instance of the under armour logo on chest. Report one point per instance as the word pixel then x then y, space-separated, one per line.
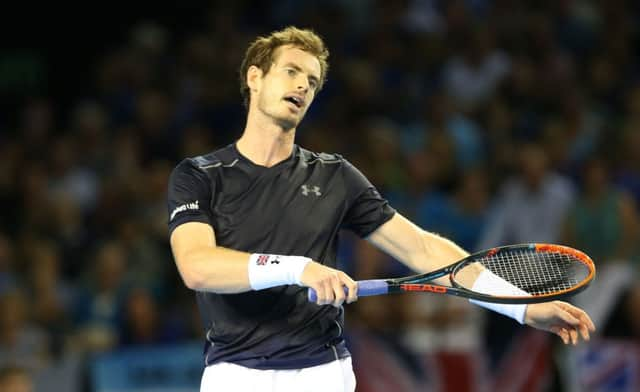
pixel 314 189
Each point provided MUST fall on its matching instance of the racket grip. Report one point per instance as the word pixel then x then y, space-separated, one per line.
pixel 365 289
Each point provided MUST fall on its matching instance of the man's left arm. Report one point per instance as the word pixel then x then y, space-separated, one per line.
pixel 423 251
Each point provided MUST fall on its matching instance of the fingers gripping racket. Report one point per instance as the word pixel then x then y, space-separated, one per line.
pixel 542 272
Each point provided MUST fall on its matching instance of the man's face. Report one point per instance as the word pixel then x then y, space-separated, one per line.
pixel 286 91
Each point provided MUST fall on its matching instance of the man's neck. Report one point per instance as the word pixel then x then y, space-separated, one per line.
pixel 265 143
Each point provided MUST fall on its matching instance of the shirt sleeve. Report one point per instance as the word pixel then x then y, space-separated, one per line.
pixel 189 195
pixel 367 209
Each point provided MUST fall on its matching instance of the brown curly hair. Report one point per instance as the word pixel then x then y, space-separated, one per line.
pixel 261 54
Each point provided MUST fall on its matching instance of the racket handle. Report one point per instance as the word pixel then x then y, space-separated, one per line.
pixel 365 289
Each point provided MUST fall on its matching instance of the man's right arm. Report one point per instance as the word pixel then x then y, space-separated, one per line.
pixel 204 266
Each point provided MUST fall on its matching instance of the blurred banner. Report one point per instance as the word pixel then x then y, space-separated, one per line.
pixel 608 365
pixel 176 368
pixel 382 367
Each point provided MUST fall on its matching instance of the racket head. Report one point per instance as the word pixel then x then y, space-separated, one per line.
pixel 542 272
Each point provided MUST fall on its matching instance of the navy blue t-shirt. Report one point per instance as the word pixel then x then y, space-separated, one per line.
pixel 296 207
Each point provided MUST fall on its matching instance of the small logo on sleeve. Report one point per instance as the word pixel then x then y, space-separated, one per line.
pixel 313 189
pixel 184 207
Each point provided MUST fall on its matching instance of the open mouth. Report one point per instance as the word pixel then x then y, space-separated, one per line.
pixel 295 100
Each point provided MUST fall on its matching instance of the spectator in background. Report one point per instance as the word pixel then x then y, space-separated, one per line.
pixel 69 176
pixel 21 342
pixel 473 76
pixel 146 264
pixel 154 114
pixel 15 379
pixel 531 206
pixel 383 154
pixel 498 121
pixel 65 225
pixel 462 214
pixel 12 153
pixel 574 136
pixel 100 304
pixel 90 128
pixel 627 172
pixel 142 324
pixel 523 97
pixel 37 123
pixel 603 222
pixel 8 275
pixel 443 119
pixel 51 297
pixel 428 177
pixel 33 199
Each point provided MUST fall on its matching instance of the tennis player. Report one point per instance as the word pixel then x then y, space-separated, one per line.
pixel 252 225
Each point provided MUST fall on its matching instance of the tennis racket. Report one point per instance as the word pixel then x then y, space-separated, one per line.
pixel 541 272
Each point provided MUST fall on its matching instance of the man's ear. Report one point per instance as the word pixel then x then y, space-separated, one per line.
pixel 254 78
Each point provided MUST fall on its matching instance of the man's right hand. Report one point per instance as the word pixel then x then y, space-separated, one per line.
pixel 329 284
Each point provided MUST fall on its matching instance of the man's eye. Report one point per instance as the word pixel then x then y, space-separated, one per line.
pixel 291 72
pixel 313 84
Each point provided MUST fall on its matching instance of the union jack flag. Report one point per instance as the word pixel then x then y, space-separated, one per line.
pixel 262 259
pixel 607 365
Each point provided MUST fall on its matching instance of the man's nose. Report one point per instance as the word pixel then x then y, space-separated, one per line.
pixel 303 84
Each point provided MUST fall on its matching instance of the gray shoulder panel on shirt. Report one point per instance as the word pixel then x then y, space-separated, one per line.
pixel 323 157
pixel 206 161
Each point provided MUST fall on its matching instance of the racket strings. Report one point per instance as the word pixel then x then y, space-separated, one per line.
pixel 537 273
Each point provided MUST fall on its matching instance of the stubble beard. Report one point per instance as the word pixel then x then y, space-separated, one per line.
pixel 287 123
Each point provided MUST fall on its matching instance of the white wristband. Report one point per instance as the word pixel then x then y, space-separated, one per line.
pixel 267 270
pixel 489 283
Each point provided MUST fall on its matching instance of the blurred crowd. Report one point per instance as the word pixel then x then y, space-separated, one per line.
pixel 489 122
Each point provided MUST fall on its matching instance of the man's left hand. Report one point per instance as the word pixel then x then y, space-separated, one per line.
pixel 560 318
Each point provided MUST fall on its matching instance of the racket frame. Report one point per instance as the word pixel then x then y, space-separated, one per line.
pixel 418 283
